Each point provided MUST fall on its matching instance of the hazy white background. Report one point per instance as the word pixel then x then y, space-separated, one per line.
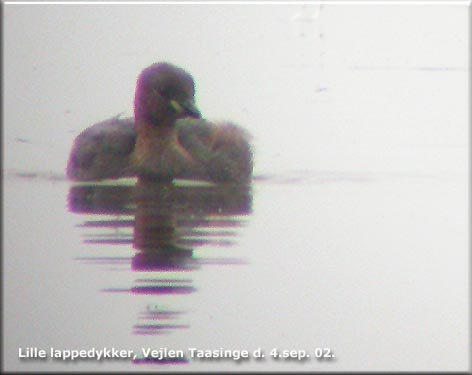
pixel 359 237
pixel 69 66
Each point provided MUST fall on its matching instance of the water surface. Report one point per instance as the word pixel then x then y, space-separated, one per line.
pixel 353 235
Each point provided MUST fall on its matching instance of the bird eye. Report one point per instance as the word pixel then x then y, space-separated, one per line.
pixel 163 92
pixel 157 90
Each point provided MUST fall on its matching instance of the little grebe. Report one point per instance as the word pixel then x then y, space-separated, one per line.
pixel 166 140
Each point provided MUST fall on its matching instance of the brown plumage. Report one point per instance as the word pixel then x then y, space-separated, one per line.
pixel 164 141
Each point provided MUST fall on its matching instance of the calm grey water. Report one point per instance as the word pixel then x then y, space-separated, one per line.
pixel 353 235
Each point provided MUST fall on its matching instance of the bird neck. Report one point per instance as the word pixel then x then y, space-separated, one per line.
pixel 157 137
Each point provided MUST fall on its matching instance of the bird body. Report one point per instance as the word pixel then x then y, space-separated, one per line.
pixel 102 151
pixel 165 140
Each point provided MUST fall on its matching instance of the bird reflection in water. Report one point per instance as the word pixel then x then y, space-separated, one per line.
pixel 165 223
